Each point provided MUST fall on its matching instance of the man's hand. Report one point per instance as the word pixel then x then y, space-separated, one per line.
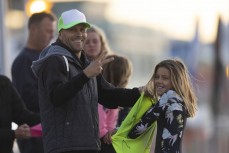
pixel 22 132
pixel 95 68
pixel 141 89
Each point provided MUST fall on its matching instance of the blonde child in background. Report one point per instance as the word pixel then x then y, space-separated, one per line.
pixel 96 43
pixel 116 72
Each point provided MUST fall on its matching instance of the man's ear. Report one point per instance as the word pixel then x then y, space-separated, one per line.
pixel 60 35
pixel 32 28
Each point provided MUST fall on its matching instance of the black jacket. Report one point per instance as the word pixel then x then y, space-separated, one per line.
pixel 24 80
pixel 68 100
pixel 12 109
pixel 26 84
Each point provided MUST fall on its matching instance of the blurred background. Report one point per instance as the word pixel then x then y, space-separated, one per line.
pixel 148 31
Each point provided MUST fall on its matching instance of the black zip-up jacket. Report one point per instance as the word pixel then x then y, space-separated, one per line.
pixel 68 100
pixel 12 109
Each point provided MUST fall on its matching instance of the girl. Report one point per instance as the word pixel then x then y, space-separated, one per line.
pixel 96 44
pixel 118 76
pixel 171 85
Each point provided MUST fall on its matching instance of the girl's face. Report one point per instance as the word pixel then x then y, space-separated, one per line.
pixel 162 80
pixel 93 45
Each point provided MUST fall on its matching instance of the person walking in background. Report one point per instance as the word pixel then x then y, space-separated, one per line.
pixel 70 87
pixel 12 109
pixel 41 30
pixel 171 86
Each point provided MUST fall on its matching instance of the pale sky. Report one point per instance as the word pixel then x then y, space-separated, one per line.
pixel 174 17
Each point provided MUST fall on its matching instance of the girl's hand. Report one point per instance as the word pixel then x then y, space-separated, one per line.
pixel 107 137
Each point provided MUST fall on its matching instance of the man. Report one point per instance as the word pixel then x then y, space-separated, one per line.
pixel 70 88
pixel 12 109
pixel 41 29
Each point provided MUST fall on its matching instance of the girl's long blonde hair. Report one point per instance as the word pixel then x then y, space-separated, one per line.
pixel 104 43
pixel 181 83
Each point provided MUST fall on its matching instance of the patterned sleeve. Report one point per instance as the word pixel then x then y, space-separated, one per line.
pixel 168 106
pixel 175 117
pixel 148 118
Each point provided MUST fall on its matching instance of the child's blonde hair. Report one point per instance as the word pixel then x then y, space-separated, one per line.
pixel 180 81
pixel 104 43
pixel 118 71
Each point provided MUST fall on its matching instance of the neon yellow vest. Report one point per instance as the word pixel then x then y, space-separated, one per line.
pixel 142 144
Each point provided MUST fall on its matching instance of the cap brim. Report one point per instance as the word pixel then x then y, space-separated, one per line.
pixel 74 24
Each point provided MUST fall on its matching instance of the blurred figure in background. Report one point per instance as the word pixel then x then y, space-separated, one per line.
pixel 12 109
pixel 96 43
pixel 41 30
pixel 117 73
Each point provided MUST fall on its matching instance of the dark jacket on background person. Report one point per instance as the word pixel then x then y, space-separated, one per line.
pixel 69 100
pixel 12 109
pixel 24 80
pixel 26 84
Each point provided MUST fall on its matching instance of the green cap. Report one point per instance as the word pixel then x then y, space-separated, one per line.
pixel 71 18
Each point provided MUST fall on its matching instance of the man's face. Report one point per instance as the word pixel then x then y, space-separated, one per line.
pixel 74 37
pixel 44 32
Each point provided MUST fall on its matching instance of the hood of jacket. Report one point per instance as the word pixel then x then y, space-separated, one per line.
pixel 52 50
